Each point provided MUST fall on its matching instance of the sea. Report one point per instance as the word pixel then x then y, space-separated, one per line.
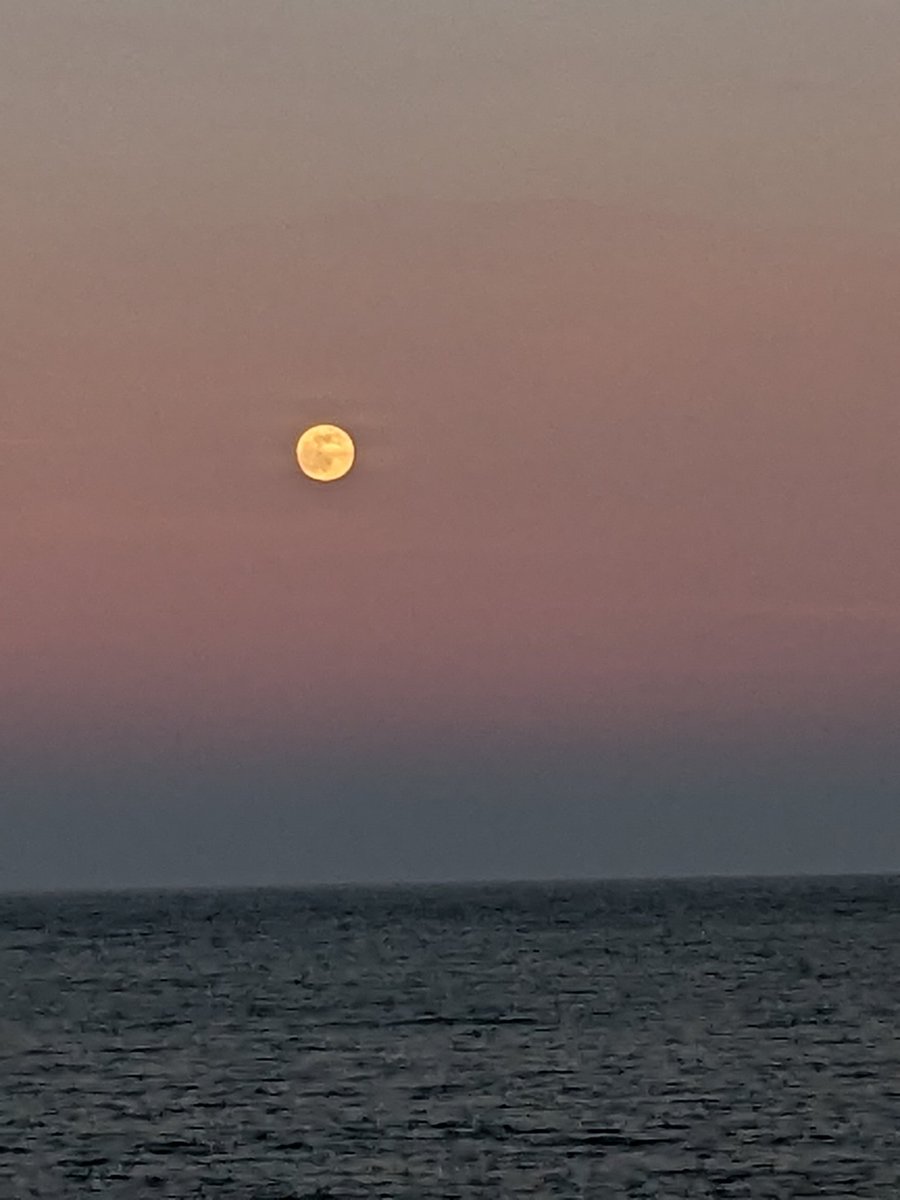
pixel 669 1039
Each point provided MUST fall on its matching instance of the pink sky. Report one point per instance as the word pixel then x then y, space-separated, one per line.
pixel 609 295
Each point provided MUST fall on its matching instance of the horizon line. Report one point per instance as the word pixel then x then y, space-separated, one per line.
pixel 425 884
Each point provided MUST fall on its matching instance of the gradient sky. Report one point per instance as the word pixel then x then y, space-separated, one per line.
pixel 609 295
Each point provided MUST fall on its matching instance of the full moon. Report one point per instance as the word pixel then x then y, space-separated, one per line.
pixel 325 452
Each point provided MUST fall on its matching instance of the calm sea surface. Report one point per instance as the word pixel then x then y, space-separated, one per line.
pixel 666 1040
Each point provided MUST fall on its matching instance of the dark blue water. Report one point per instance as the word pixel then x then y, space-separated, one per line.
pixel 667 1040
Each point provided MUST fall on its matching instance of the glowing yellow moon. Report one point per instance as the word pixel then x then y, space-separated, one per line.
pixel 325 452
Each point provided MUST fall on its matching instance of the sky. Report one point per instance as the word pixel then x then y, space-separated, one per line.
pixel 608 296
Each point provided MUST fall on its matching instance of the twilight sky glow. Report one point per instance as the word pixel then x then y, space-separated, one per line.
pixel 609 297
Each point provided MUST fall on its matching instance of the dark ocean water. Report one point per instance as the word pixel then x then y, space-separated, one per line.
pixel 665 1040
